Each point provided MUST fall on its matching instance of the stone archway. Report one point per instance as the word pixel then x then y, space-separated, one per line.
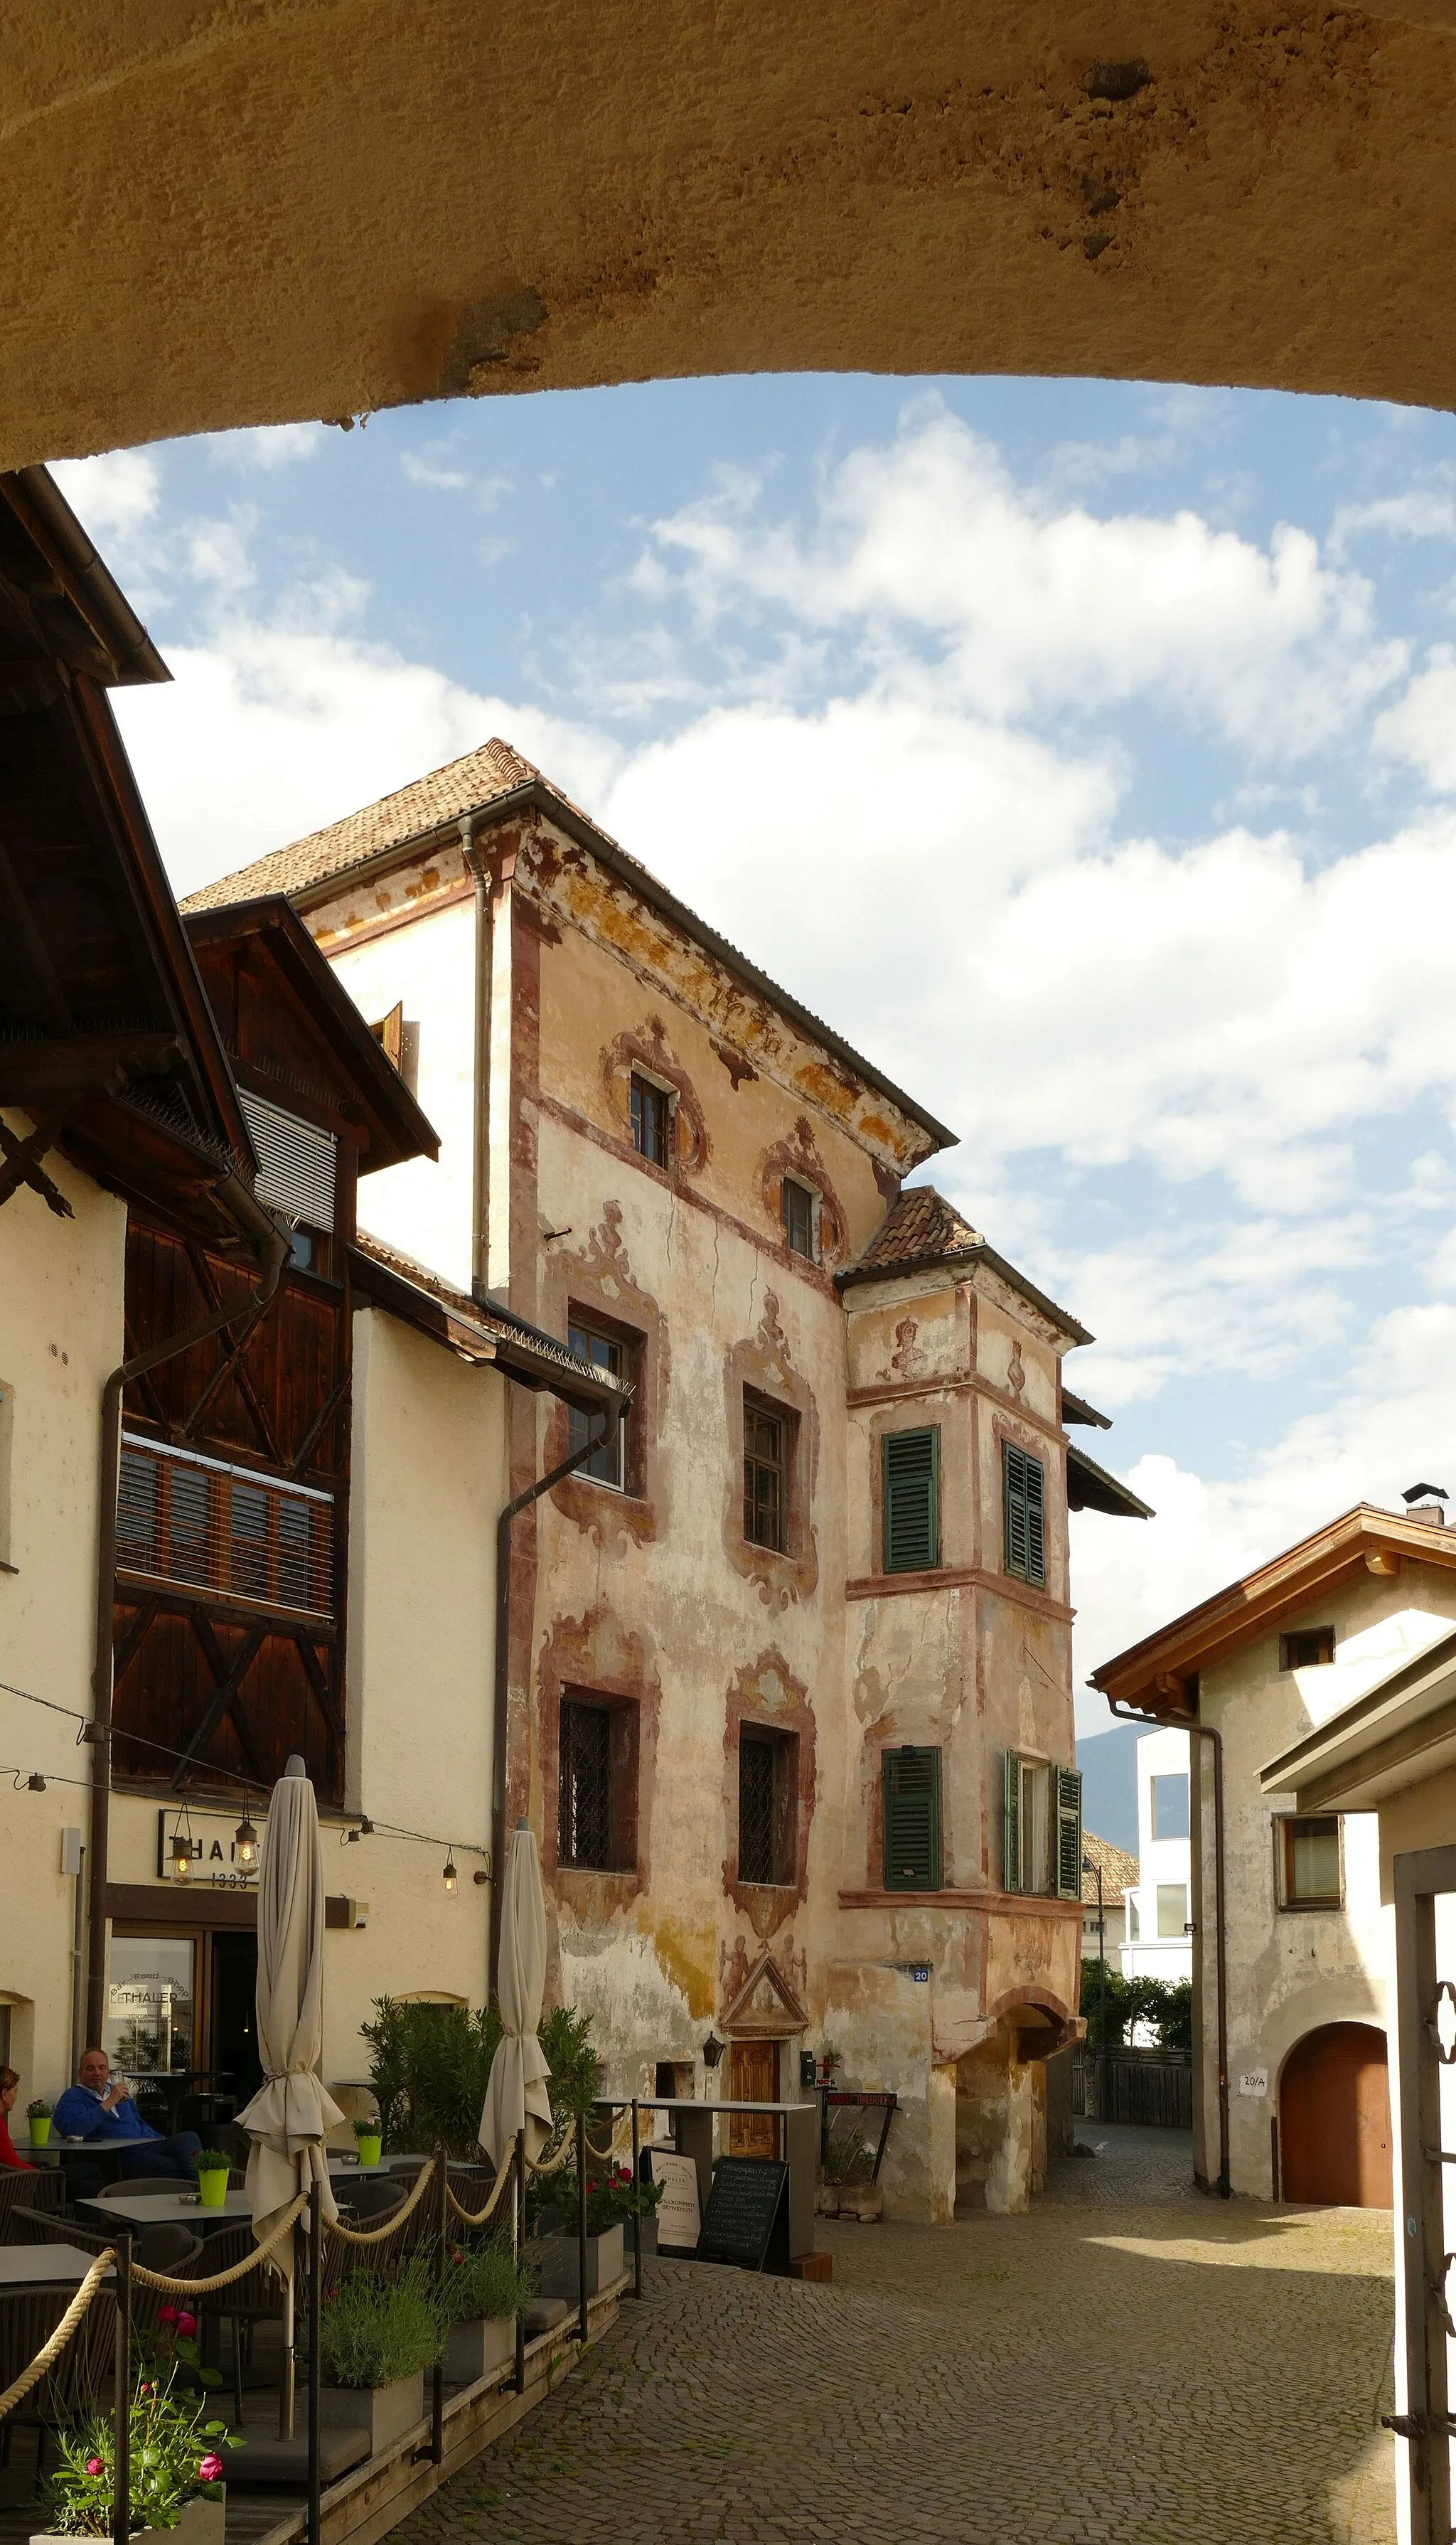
pixel 317 207
pixel 1334 2140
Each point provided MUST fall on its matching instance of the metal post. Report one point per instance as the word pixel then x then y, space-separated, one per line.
pixel 122 2468
pixel 285 2382
pixel 637 2190
pixel 518 2161
pixel 316 2353
pixel 581 2220
pixel 436 2374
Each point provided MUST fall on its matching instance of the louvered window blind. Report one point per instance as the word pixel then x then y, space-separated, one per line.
pixel 1024 1495
pixel 1036 1794
pixel 207 1527
pixel 911 1499
pixel 912 1817
pixel 296 1161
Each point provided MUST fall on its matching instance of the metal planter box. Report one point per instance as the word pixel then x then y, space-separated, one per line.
pixel 560 2264
pixel 384 2411
pixel 477 2347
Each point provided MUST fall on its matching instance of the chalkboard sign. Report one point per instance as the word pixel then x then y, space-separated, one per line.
pixel 748 2201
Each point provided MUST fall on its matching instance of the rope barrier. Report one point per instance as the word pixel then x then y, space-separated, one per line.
pixel 396 2218
pixel 478 2217
pixel 222 2280
pixel 47 2356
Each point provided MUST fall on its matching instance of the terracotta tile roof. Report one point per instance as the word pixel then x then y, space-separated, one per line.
pixel 464 785
pixel 1119 1872
pixel 920 1225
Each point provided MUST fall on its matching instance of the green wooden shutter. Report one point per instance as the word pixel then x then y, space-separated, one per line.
pixel 912 1801
pixel 1012 1846
pixel 1024 1495
pixel 911 1499
pixel 1069 1834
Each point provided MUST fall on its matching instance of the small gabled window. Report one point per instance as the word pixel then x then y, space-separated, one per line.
pixel 1024 1495
pixel 796 1204
pixel 1308 1648
pixel 912 1819
pixel 651 1119
pixel 910 1478
pixel 1041 1844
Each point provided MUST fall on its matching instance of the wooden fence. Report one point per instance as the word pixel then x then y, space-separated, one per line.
pixel 1152 2088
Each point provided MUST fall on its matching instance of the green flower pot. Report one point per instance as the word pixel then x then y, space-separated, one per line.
pixel 370 2149
pixel 41 2131
pixel 212 2187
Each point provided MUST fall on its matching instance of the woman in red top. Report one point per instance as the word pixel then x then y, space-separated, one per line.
pixel 9 2088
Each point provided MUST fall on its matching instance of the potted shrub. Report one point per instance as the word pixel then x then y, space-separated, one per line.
pixel 368 2140
pixel 379 2338
pixel 846 2189
pixel 37 2115
pixel 177 2469
pixel 212 2169
pixel 483 2291
pixel 611 2198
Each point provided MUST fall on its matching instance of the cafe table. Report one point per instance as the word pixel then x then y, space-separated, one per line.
pixel 172 2085
pixel 43 2266
pixel 138 2210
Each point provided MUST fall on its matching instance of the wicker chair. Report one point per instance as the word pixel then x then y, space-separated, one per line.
pixel 174 2250
pixel 43 2191
pixel 136 2184
pixel 42 2227
pixel 72 2385
pixel 256 2298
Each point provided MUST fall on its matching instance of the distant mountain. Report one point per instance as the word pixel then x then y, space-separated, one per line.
pixel 1109 1785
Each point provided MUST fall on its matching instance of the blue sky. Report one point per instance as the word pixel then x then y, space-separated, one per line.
pixel 1085 753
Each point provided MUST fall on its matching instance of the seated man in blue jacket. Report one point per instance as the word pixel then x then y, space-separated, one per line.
pixel 96 2108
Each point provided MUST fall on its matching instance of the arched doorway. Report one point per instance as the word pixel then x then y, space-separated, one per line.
pixel 1335 2118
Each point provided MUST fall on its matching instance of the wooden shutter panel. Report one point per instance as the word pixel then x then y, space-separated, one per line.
pixel 911 1499
pixel 1023 1496
pixel 1069 1834
pixel 1012 1822
pixel 912 1811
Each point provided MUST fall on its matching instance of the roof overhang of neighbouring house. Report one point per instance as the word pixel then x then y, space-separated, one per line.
pixel 1160 1675
pixel 477 1331
pixel 1092 1488
pixel 1400 1733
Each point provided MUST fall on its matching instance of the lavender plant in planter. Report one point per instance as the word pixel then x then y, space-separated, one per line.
pixel 177 2490
pixel 379 2338
pixel 484 2290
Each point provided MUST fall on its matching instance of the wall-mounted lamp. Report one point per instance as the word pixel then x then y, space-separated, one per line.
pixel 35 1783
pixel 451 1875
pixel 712 2050
pixel 245 1840
pixel 181 1855
pixel 479 1876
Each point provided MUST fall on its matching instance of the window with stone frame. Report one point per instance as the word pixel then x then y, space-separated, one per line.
pixel 796 1208
pixel 768 1799
pixel 652 1120
pixel 596 1787
pixel 611 1462
pixel 767 1433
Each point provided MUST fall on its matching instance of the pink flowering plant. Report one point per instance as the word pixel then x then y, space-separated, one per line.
pixel 174 2354
pixel 175 2456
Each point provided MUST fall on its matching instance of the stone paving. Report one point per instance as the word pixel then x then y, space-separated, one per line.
pixel 1132 2362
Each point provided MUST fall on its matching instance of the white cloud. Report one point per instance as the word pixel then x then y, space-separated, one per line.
pixel 265 446
pixel 1421 727
pixel 1419 513
pixel 1029 605
pixel 1391 1422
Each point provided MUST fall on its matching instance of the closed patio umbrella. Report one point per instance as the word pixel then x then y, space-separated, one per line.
pixel 516 2096
pixel 289 2116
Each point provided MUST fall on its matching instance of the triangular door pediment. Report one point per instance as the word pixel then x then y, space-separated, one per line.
pixel 765 2007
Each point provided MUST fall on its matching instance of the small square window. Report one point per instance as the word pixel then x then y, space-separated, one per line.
pixel 607 1465
pixel 651 1114
pixel 1309 1649
pixel 1310 1848
pixel 797 1207
pixel 765 1475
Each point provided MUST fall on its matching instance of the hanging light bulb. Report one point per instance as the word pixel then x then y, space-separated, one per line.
pixel 451 1875
pixel 181 1850
pixel 245 1840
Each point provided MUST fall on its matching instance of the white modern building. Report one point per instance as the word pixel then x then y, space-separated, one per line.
pixel 1159 1942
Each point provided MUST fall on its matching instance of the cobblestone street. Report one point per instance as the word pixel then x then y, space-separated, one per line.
pixel 1131 2362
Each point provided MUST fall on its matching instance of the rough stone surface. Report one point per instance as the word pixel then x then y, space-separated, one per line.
pixel 220 213
pixel 1129 2362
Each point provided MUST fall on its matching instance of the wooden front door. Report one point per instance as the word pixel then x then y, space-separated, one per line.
pixel 1335 2118
pixel 752 2077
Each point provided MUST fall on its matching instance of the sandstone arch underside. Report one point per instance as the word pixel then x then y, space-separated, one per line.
pixel 274 210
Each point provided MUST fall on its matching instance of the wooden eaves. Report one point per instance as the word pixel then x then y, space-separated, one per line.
pixel 1160 1675
pixel 483 1335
